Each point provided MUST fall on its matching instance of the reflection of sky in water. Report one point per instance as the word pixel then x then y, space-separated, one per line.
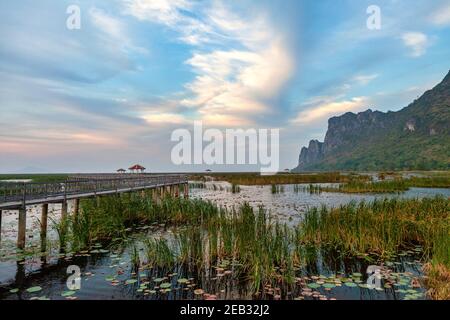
pixel 289 205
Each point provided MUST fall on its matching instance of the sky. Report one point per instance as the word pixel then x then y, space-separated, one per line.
pixel 110 94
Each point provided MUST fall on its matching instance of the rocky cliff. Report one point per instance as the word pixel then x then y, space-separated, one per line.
pixel 416 137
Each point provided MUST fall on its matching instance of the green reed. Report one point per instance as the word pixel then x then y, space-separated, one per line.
pixel 382 227
pixel 258 179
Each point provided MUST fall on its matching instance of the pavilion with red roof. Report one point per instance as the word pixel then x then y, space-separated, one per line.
pixel 137 168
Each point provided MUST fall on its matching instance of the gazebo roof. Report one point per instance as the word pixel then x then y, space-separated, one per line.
pixel 137 167
pixel 121 170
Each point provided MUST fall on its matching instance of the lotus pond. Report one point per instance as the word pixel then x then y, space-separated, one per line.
pixel 164 260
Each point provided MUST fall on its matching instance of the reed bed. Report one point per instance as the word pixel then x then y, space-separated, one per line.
pixel 383 227
pixel 249 179
pixel 429 182
pixel 111 217
pixel 395 186
pixel 247 241
pixel 259 249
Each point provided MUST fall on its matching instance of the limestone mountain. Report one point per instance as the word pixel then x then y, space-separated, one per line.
pixel 414 138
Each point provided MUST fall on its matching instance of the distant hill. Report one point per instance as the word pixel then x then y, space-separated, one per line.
pixel 414 138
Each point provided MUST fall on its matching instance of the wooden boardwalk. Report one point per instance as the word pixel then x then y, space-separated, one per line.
pixel 17 196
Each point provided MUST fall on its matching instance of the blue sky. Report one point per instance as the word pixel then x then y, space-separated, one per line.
pixel 110 94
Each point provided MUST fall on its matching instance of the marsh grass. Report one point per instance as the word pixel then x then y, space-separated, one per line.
pixel 429 182
pixel 395 186
pixel 235 188
pixel 277 189
pixel 249 179
pixel 382 226
pixel 258 249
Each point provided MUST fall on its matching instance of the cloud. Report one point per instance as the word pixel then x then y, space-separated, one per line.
pixel 326 109
pixel 417 42
pixel 164 118
pixel 230 84
pixel 113 30
pixel 365 79
pixel 441 17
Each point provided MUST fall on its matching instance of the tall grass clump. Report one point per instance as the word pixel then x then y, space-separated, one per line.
pixel 262 250
pixel 383 227
pixel 394 186
pixel 110 217
pixel 429 182
pixel 247 179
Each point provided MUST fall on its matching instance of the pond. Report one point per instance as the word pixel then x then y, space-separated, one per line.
pixel 108 272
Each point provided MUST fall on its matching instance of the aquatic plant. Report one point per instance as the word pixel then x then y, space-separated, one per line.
pixel 235 188
pixel 288 178
pixel 383 227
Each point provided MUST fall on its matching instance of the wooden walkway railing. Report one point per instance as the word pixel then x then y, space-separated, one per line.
pixel 22 194
pixel 16 196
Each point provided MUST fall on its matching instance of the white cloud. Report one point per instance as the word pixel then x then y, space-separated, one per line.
pixel 442 16
pixel 365 79
pixel 164 118
pixel 417 42
pixel 230 85
pixel 328 108
pixel 113 30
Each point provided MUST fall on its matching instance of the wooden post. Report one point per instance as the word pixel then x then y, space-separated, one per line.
pixel 21 234
pixel 63 210
pixel 0 225
pixel 76 209
pixel 44 220
pixel 186 190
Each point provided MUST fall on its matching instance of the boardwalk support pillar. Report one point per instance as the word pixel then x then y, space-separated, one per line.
pixel 186 190
pixel 76 209
pixel 44 220
pixel 22 228
pixel 0 225
pixel 63 210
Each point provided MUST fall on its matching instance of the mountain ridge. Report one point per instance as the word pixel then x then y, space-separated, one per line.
pixel 416 137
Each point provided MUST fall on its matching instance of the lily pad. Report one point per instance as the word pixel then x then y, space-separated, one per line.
pixel 314 285
pixel 183 281
pixel 34 289
pixel 14 290
pixel 131 281
pixel 68 293
pixel 351 284
pixel 165 285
